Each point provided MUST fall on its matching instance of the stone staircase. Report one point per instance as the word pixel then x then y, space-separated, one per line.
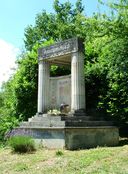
pixel 43 121
pixel 77 119
pixel 72 131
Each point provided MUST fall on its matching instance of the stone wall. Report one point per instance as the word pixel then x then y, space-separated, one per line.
pixel 60 91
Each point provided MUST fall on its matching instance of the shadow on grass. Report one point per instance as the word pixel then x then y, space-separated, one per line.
pixel 123 141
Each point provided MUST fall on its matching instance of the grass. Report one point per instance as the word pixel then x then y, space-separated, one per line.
pixel 106 160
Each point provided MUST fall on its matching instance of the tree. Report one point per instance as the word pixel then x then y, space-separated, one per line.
pixel 59 25
pixel 105 59
pixel 108 63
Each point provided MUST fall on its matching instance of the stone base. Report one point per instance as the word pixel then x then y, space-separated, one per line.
pixel 72 137
pixel 70 132
pixel 89 137
pixel 51 138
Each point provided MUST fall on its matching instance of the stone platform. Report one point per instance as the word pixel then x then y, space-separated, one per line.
pixel 70 132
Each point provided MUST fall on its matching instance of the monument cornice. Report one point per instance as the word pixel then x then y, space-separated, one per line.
pixel 62 48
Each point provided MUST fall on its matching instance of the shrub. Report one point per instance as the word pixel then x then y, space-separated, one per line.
pixel 59 153
pixel 7 123
pixel 22 144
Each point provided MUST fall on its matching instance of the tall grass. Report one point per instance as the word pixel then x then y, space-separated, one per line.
pixel 22 144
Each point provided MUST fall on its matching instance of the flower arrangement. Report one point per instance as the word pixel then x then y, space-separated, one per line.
pixel 54 112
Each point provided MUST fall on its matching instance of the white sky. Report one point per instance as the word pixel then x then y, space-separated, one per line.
pixel 8 54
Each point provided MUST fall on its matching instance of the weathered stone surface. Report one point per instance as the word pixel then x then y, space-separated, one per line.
pixel 81 138
pixel 40 122
pixel 46 118
pixel 70 92
pixel 73 132
pixel 83 123
pixel 60 91
pixel 62 48
pixel 43 90
pixel 78 82
pixel 47 137
pixel 81 118
pixel 73 137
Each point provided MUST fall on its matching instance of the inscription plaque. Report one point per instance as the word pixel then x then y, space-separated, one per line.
pixel 61 48
pixel 60 91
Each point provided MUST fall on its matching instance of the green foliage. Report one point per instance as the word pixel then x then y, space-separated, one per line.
pixel 22 144
pixel 106 45
pixel 1 99
pixel 7 124
pixel 62 24
pixel 21 90
pixel 116 100
pixel 95 74
pixel 59 153
pixel 106 63
pixel 59 71
pixel 25 86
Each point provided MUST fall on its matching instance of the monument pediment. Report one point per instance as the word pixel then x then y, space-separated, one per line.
pixel 60 52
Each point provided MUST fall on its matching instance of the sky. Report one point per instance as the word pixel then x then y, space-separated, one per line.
pixel 15 16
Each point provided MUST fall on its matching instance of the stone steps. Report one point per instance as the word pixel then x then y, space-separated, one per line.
pixel 80 111
pixel 82 123
pixel 68 123
pixel 83 118
pixel 49 123
pixel 65 121
pixel 79 114
pixel 64 118
pixel 42 119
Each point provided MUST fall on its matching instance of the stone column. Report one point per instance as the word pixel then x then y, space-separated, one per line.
pixel 43 86
pixel 77 82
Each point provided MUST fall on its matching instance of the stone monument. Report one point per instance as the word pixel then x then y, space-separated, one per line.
pixel 76 129
pixel 69 52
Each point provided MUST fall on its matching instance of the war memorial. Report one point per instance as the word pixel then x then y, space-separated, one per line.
pixel 73 129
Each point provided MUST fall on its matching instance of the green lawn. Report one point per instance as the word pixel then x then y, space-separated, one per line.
pixel 106 160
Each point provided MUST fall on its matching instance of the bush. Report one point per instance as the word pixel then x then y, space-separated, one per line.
pixel 59 153
pixel 7 123
pixel 22 144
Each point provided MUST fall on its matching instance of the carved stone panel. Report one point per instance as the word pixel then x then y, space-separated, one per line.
pixel 60 91
pixel 62 48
